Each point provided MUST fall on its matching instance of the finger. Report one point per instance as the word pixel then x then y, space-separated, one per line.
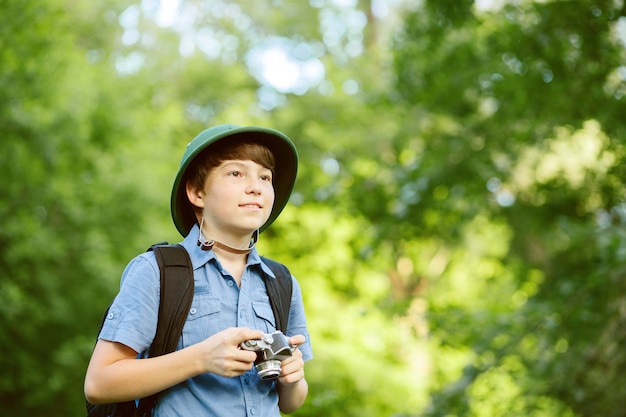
pixel 236 368
pixel 295 356
pixel 292 363
pixel 245 356
pixel 292 373
pixel 241 334
pixel 297 340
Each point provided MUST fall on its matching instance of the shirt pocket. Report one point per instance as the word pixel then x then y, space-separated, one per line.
pixel 264 317
pixel 203 320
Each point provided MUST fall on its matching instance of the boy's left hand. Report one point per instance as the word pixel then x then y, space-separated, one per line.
pixel 293 367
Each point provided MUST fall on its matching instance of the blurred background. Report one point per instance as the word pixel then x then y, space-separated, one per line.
pixel 458 225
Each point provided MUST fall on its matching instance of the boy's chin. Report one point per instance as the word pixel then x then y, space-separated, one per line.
pixel 250 229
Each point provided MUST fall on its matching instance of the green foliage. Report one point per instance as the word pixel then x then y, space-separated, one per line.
pixel 354 337
pixel 458 222
pixel 62 126
pixel 509 103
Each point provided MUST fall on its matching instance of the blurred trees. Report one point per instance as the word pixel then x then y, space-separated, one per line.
pixel 518 127
pixel 68 209
pixel 457 226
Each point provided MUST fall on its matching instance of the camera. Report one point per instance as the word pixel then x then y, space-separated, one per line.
pixel 271 350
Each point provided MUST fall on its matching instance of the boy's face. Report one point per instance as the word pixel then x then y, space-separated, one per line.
pixel 237 198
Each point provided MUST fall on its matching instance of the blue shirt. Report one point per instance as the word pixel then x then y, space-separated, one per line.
pixel 217 305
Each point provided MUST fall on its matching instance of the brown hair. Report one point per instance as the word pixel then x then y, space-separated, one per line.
pixel 213 156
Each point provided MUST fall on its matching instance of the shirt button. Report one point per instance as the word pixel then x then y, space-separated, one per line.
pixel 193 310
pixel 230 283
pixel 253 411
pixel 110 316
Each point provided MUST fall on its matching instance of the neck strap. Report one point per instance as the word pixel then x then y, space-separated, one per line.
pixel 211 243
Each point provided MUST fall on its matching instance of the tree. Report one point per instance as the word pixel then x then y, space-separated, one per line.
pixel 512 164
pixel 97 98
pixel 65 128
pixel 457 225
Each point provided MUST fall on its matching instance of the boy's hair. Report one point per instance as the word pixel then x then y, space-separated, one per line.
pixel 238 150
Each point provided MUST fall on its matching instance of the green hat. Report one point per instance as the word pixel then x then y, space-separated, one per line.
pixel 278 143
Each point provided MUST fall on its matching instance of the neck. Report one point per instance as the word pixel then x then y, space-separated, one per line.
pixel 217 245
pixel 234 263
pixel 243 249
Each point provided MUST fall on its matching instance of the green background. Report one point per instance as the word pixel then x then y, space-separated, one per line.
pixel 457 225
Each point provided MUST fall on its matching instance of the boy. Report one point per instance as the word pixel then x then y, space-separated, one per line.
pixel 233 182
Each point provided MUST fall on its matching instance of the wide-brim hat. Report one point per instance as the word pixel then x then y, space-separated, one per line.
pixel 284 177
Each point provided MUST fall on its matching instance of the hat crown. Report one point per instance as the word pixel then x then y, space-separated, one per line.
pixel 200 141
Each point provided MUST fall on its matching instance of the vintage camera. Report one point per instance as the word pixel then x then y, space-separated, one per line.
pixel 270 350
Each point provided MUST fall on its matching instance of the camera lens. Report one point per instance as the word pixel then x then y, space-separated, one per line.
pixel 269 369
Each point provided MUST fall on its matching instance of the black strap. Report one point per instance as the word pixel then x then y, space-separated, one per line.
pixel 177 289
pixel 176 296
pixel 279 291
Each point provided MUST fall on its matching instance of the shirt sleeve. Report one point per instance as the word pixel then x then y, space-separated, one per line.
pixel 297 321
pixel 132 318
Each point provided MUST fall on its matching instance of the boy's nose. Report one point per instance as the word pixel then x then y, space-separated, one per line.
pixel 254 186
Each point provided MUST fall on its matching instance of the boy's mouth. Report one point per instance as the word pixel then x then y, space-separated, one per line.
pixel 251 205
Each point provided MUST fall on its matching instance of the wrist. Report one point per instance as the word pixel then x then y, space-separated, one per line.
pixel 197 359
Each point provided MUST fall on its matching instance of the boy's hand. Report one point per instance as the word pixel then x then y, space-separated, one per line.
pixel 220 353
pixel 293 367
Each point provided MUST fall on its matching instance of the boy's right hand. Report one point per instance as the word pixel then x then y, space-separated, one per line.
pixel 220 354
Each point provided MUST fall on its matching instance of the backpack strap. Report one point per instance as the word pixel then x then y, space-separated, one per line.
pixel 177 288
pixel 279 291
pixel 176 296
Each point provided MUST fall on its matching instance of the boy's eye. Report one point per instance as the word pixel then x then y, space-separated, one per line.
pixel 235 173
pixel 266 177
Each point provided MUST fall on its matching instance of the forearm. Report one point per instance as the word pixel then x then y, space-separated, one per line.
pixel 292 396
pixel 115 375
pixel 130 378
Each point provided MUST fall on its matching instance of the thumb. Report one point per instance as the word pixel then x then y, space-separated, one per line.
pixel 297 340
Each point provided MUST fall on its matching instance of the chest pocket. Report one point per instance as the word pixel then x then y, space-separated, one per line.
pixel 264 317
pixel 203 319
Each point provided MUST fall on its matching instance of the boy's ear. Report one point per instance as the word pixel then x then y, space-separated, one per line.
pixel 194 196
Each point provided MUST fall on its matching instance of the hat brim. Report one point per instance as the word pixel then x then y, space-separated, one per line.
pixel 286 169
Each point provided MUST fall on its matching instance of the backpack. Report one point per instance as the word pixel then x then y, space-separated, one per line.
pixel 177 289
